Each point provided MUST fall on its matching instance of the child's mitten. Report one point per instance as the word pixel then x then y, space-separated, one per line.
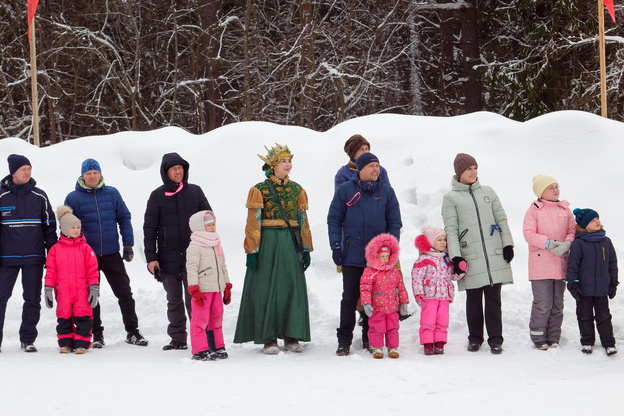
pixel 227 294
pixel 198 296
pixel 368 310
pixel 420 299
pixel 94 295
pixel 49 296
pixel 403 309
pixel 613 290
pixel 575 290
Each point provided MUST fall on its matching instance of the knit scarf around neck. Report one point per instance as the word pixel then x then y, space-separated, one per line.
pixel 206 239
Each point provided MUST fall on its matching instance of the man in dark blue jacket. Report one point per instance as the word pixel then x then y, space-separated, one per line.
pixel 27 230
pixel 167 235
pixel 101 209
pixel 362 208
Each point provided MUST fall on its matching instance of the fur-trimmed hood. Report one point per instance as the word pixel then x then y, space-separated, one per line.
pixel 387 240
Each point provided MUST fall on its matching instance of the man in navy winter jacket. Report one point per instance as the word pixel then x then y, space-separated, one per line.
pixel 361 209
pixel 27 230
pixel 101 210
pixel 166 237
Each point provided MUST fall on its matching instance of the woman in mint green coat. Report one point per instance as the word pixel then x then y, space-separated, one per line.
pixel 478 234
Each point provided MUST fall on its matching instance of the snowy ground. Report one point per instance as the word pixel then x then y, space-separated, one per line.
pixel 582 151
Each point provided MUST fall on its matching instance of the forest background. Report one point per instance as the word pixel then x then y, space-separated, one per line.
pixel 106 66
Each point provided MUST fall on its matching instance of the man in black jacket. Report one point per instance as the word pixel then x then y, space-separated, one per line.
pixel 166 238
pixel 27 230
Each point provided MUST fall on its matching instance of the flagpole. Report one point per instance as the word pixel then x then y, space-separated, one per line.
pixel 603 76
pixel 33 83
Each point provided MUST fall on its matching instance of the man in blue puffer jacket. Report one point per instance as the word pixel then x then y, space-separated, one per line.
pixel 101 209
pixel 362 208
pixel 27 230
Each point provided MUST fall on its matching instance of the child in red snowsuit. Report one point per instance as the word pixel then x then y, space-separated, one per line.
pixel 72 274
pixel 382 291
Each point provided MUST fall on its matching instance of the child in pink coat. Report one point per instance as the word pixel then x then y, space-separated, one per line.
pixel 209 285
pixel 432 281
pixel 383 293
pixel 72 274
pixel 549 229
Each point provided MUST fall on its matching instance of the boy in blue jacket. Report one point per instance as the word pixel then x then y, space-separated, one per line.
pixel 592 278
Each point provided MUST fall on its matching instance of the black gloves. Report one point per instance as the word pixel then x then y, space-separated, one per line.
pixel 252 261
pixel 613 290
pixel 575 290
pixel 459 265
pixel 508 253
pixel 128 254
pixel 159 275
pixel 337 256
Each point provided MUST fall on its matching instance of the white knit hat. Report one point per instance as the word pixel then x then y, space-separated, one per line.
pixel 541 182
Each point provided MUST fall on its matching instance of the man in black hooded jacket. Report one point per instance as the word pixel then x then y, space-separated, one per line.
pixel 166 238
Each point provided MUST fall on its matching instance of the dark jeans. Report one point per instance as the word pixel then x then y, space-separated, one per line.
pixel 113 268
pixel 350 295
pixel 585 309
pixel 176 287
pixel 493 314
pixel 32 282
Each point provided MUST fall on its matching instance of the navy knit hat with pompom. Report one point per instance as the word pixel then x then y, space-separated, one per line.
pixel 584 216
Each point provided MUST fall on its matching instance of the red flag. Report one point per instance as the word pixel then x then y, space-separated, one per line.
pixel 32 8
pixel 610 8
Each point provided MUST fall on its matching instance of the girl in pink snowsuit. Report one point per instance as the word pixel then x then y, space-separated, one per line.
pixel 207 277
pixel 432 281
pixel 72 274
pixel 382 293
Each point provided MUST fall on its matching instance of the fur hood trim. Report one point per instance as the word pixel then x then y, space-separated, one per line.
pixel 382 240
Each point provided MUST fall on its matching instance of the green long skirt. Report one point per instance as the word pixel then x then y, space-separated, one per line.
pixel 274 303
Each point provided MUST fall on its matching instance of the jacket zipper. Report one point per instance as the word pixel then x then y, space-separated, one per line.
pixel 97 208
pixel 487 260
pixel 214 252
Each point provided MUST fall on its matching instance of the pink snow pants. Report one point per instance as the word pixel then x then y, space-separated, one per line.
pixel 383 323
pixel 207 317
pixel 434 321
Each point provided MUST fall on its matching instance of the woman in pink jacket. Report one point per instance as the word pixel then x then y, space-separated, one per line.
pixel 549 230
pixel 72 274
pixel 383 292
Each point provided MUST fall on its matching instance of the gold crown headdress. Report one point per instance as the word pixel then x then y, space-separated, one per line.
pixel 274 155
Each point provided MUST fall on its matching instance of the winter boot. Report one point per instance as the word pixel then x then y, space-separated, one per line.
pixel 586 349
pixel 65 350
pixel 29 347
pixel 292 345
pixel 81 350
pixel 429 349
pixel 175 345
pixel 542 346
pixel 136 338
pixel 393 353
pixel 439 347
pixel 271 348
pixel 378 352
pixel 98 340
pixel 611 350
pixel 221 353
pixel 343 349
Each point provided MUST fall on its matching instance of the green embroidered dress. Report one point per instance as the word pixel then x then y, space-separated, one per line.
pixel 274 303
